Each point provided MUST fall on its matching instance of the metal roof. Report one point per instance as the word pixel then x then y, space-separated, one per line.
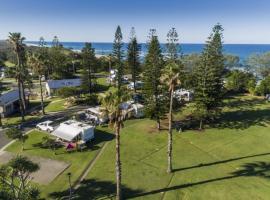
pixel 56 84
pixel 9 97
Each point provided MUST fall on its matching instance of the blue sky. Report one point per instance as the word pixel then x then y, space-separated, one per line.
pixel 244 21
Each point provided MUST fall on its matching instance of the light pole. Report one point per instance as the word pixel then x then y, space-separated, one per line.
pixel 70 189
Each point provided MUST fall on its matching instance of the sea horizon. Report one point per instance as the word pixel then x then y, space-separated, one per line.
pixel 105 48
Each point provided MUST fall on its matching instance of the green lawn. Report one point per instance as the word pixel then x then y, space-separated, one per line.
pixel 78 160
pixel 55 105
pixel 230 161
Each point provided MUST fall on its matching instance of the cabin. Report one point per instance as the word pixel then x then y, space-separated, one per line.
pixel 96 113
pixel 9 103
pixel 53 85
pixel 183 94
pixel 74 131
pixel 131 109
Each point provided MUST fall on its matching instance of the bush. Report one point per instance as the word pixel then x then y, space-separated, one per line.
pixel 239 81
pixel 264 87
pixel 67 92
pixel 91 100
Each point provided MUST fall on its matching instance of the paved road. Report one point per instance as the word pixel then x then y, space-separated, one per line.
pixel 56 117
pixel 3 139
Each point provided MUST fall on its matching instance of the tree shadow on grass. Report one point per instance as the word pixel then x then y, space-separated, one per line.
pixel 100 137
pixel 236 102
pixel 257 169
pixel 220 162
pixel 95 189
pixel 242 119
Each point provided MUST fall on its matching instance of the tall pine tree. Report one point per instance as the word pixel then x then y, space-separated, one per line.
pixel 153 91
pixel 209 83
pixel 133 57
pixel 89 65
pixel 118 54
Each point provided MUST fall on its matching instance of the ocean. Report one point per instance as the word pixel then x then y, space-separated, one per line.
pixel 241 50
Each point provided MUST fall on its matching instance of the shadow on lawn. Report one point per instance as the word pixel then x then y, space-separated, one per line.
pixel 100 137
pixel 259 169
pixel 243 119
pixel 94 189
pixel 220 162
pixel 237 102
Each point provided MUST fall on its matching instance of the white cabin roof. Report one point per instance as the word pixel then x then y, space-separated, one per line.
pixel 9 97
pixel 95 110
pixel 68 130
pixel 56 84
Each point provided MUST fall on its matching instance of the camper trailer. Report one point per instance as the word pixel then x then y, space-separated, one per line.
pixel 74 131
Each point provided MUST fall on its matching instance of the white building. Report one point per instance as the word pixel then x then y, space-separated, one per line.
pixel 74 131
pixel 97 114
pixel 183 94
pixel 53 85
pixel 131 109
pixel 9 102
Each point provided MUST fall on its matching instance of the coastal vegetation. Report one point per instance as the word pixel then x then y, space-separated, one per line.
pixel 152 156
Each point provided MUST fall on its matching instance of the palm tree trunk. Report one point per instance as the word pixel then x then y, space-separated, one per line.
pixel 118 161
pixel 23 96
pixel 1 124
pixel 169 169
pixel 20 99
pixel 41 96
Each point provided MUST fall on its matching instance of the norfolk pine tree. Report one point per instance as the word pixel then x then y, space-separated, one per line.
pixel 153 88
pixel 209 87
pixel 133 57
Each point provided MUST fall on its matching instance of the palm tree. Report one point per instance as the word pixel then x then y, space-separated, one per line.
pixel 16 40
pixel 171 77
pixel 37 64
pixel 111 102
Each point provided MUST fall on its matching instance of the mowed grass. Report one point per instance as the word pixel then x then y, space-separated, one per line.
pixel 56 105
pixel 228 161
pixel 78 160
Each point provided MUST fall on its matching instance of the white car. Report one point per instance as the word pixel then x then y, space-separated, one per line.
pixel 45 126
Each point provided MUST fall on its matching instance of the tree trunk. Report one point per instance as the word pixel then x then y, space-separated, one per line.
pixel 90 80
pixel 201 124
pixel 19 83
pixel 110 68
pixel 23 96
pixel 118 161
pixel 169 169
pixel 22 145
pixel 1 124
pixel 158 124
pixel 20 99
pixel 41 96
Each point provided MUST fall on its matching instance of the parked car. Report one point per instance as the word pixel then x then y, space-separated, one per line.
pixel 45 126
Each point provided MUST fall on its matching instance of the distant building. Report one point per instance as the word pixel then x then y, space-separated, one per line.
pixel 9 103
pixel 53 85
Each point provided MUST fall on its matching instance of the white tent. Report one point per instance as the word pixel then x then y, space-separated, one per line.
pixel 72 130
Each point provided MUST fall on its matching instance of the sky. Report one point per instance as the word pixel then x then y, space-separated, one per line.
pixel 244 21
